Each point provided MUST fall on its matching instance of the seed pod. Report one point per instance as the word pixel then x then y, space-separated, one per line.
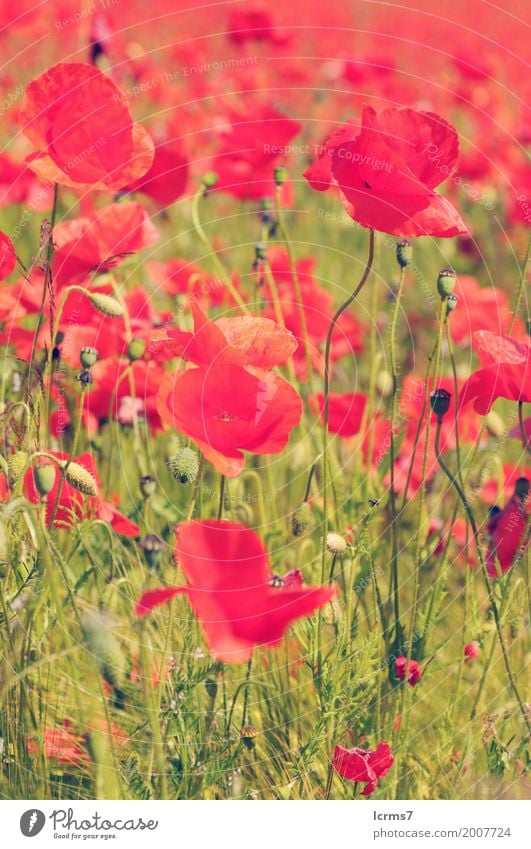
pixel 88 356
pixel 105 648
pixel 248 736
pixel 280 175
pixel 184 465
pixel 210 179
pixel 404 253
pixel 106 305
pixel 16 466
pixel 44 477
pixel 80 479
pixel 301 519
pixel 451 303
pixel 440 402
pixel 148 485
pixel 446 282
pixel 152 546
pixel 136 349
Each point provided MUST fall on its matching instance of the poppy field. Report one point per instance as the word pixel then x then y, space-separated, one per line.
pixel 265 400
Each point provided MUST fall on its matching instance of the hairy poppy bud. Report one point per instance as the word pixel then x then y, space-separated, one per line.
pixel 184 465
pixel 104 646
pixel 136 349
pixel 300 519
pixel 106 305
pixel 384 383
pixel 280 175
pixel 210 179
pixel 446 282
pixel 44 477
pixel 521 488
pixel 16 466
pixel 451 303
pixel 335 543
pixel 248 736
pixel 87 357
pixel 80 479
pixel 152 546
pixel 440 402
pixel 404 253
pixel 148 485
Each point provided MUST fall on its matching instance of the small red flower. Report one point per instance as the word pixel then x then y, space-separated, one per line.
pixel 505 372
pixel 227 410
pixel 387 170
pixel 364 765
pixel 231 592
pixel 82 129
pixel 414 671
pixel 472 651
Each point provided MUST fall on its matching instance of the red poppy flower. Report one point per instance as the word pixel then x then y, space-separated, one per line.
pixel 505 372
pixel 226 410
pixel 8 257
pixel 60 745
pixel 243 340
pixel 506 529
pixel 230 589
pixel 364 765
pixel 387 171
pixel 72 507
pixel 481 308
pixel 18 184
pixel 82 129
pixel 345 411
pixel 414 670
pixel 111 390
pixel 98 243
pixel 166 180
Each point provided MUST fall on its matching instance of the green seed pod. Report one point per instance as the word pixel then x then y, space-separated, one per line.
pixel 87 357
pixel 301 518
pixel 446 282
pixel 105 648
pixel 404 253
pixel 106 305
pixel 184 465
pixel 80 479
pixel 148 485
pixel 136 349
pixel 44 477
pixel 210 179
pixel 451 303
pixel 16 466
pixel 280 175
pixel 440 402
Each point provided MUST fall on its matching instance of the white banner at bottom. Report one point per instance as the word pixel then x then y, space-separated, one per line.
pixel 271 825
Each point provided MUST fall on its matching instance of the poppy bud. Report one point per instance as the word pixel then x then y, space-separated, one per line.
pixel 301 519
pixel 136 349
pixel 440 402
pixel 152 546
pixel 184 465
pixel 106 305
pixel 44 477
pixel 280 175
pixel 210 179
pixel 451 303
pixel 446 282
pixel 404 253
pixel 335 543
pixel 248 736
pixel 211 686
pixel 384 383
pixel 148 485
pixel 16 466
pixel 521 488
pixel 87 357
pixel 85 378
pixel 80 479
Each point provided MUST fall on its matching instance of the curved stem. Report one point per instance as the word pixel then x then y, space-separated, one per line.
pixel 486 578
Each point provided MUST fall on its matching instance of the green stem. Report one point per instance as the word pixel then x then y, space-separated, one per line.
pixel 523 273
